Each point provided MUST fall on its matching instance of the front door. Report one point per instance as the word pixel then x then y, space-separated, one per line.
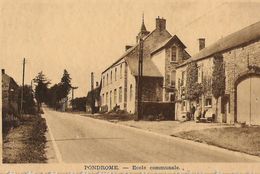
pixel 248 101
pixel 224 108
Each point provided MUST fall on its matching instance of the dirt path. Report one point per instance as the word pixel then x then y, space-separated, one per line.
pixel 26 143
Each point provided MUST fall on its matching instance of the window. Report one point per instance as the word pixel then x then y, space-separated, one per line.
pixel 115 73
pixel 173 77
pixel 120 94
pixel 110 100
pixel 107 78
pixel 183 105
pixel 171 97
pixel 107 98
pixel 103 99
pixel 111 78
pixel 115 96
pixel 183 78
pixel 103 84
pixel 174 53
pixel 131 92
pixel 208 102
pixel 121 71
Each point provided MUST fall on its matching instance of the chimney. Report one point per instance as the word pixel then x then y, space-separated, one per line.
pixel 96 84
pixel 127 47
pixel 160 23
pixel 201 43
pixel 3 71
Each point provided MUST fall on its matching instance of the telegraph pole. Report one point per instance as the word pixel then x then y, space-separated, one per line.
pixel 92 93
pixel 72 91
pixel 139 81
pixel 72 94
pixel 21 109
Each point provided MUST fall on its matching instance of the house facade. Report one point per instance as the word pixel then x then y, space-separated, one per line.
pixel 119 80
pixel 93 99
pixel 167 57
pixel 241 61
pixel 10 92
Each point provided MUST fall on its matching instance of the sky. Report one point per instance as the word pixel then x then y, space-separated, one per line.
pixel 85 36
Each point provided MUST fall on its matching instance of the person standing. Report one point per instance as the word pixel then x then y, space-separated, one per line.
pixel 192 111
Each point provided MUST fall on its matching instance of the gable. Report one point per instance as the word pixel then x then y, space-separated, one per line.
pixel 150 42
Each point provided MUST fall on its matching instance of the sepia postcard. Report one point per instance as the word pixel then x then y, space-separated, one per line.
pixel 149 86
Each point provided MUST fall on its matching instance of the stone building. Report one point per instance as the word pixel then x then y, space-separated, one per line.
pixel 241 61
pixel 93 99
pixel 10 92
pixel 161 53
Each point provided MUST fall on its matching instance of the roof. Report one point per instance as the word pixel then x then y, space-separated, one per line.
pixel 167 42
pixel 239 38
pixel 127 52
pixel 6 80
pixel 149 68
pixel 95 91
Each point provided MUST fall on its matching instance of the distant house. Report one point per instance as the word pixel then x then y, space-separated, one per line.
pixel 10 92
pixel 63 103
pixel 93 99
pixel 241 61
pixel 162 52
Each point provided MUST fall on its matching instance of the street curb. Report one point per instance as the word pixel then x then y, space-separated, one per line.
pixel 211 147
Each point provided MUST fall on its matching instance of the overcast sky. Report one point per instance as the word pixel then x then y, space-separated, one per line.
pixel 88 35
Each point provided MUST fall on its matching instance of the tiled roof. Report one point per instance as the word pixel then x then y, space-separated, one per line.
pixel 126 53
pixel 149 68
pixel 239 38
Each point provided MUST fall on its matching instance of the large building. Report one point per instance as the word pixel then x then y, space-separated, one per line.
pixel 241 61
pixel 162 52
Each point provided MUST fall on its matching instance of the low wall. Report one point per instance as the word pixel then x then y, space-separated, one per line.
pixel 159 109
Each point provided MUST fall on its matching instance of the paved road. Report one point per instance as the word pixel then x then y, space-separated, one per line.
pixel 81 139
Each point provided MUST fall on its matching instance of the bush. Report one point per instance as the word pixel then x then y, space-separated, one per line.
pixel 103 109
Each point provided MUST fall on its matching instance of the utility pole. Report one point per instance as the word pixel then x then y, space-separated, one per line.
pixel 72 91
pixel 92 93
pixel 139 81
pixel 21 109
pixel 72 94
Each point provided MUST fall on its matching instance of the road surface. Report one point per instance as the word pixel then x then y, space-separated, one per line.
pixel 79 139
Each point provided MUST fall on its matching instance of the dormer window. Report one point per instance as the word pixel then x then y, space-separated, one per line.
pixel 174 53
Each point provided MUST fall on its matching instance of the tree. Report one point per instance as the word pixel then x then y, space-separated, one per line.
pixel 28 100
pixel 53 96
pixel 218 78
pixel 193 88
pixel 65 84
pixel 41 88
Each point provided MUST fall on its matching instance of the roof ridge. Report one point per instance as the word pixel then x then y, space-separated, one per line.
pixel 232 40
pixel 128 51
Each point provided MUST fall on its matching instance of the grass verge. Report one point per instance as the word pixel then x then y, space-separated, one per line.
pixel 245 139
pixel 26 143
pixel 113 116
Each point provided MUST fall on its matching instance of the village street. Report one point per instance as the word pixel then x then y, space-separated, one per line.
pixel 73 138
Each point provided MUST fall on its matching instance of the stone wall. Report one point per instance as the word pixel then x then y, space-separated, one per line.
pixel 236 63
pixel 171 66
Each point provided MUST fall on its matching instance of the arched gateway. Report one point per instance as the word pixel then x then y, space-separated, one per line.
pixel 248 97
